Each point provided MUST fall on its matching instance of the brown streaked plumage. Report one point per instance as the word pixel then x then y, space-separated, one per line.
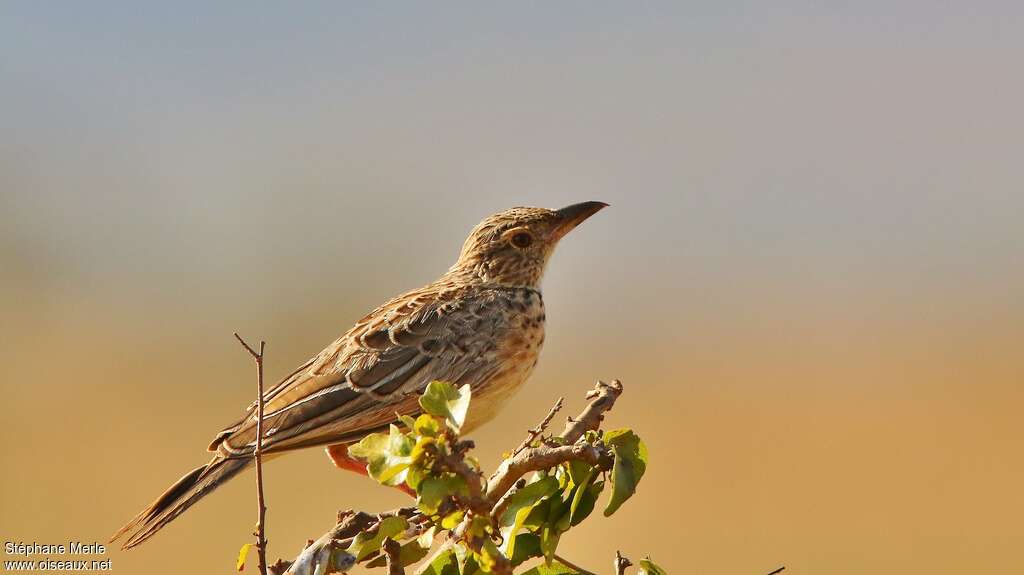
pixel 481 323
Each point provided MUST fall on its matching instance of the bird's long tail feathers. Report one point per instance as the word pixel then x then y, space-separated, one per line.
pixel 179 497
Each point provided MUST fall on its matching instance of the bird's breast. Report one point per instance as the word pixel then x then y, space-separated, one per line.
pixel 514 354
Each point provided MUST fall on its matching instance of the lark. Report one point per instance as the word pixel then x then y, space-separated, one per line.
pixel 481 323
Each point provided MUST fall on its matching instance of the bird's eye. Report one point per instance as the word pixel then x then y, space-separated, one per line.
pixel 522 240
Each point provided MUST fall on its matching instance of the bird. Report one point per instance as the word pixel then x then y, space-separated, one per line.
pixel 481 323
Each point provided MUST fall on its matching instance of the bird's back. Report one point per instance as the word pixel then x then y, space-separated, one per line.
pixel 486 336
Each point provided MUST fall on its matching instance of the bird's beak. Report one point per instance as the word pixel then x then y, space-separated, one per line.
pixel 571 216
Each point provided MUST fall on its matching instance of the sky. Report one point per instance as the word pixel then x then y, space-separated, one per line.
pixel 808 280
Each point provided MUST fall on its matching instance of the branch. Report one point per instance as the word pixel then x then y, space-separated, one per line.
pixel 456 463
pixel 329 549
pixel 260 533
pixel 534 433
pixel 602 398
pixel 573 566
pixel 392 552
pixel 621 563
pixel 543 457
pixel 779 570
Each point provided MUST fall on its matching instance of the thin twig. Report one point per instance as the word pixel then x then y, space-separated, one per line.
pixel 392 554
pixel 534 433
pixel 573 566
pixel 621 563
pixel 349 524
pixel 280 567
pixel 260 533
pixel 779 570
pixel 602 398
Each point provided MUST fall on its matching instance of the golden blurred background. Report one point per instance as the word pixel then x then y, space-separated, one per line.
pixel 809 280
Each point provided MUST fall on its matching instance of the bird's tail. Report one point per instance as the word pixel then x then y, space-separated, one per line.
pixel 179 497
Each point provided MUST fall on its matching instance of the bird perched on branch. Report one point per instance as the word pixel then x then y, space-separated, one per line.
pixel 481 323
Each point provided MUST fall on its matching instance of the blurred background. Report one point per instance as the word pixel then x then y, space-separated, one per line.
pixel 809 280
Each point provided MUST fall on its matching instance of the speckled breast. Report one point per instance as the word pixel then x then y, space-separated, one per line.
pixel 516 352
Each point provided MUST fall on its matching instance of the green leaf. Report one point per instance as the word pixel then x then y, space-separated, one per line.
pixel 426 539
pixel 366 543
pixel 526 546
pixel 338 561
pixel 563 522
pixel 549 537
pixel 520 504
pixel 578 470
pixel 584 501
pixel 470 565
pixel 427 425
pixel 452 520
pixel 555 568
pixel 370 447
pixel 407 421
pixel 489 555
pixel 387 456
pixel 558 509
pixel 414 476
pixel 463 555
pixel 527 497
pixel 433 490
pixel 648 567
pixel 630 464
pixel 443 400
pixel 538 516
pixel 445 563
pixel 242 554
pixel 582 497
pixel 411 552
pixel 564 479
pixel 479 526
pixel 421 461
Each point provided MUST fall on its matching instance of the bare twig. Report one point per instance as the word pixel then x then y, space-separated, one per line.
pixel 329 550
pixel 534 433
pixel 260 533
pixel 779 570
pixel 602 398
pixel 279 567
pixel 573 566
pixel 319 552
pixel 392 553
pixel 621 563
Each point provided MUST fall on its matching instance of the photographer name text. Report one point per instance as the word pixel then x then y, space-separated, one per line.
pixel 72 548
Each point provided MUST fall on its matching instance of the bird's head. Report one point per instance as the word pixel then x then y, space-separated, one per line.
pixel 511 248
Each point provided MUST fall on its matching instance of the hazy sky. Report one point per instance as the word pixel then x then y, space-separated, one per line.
pixel 810 273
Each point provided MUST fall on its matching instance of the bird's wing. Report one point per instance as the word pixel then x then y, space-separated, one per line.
pixel 358 383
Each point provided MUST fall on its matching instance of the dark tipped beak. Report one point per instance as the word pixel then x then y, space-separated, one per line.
pixel 571 216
